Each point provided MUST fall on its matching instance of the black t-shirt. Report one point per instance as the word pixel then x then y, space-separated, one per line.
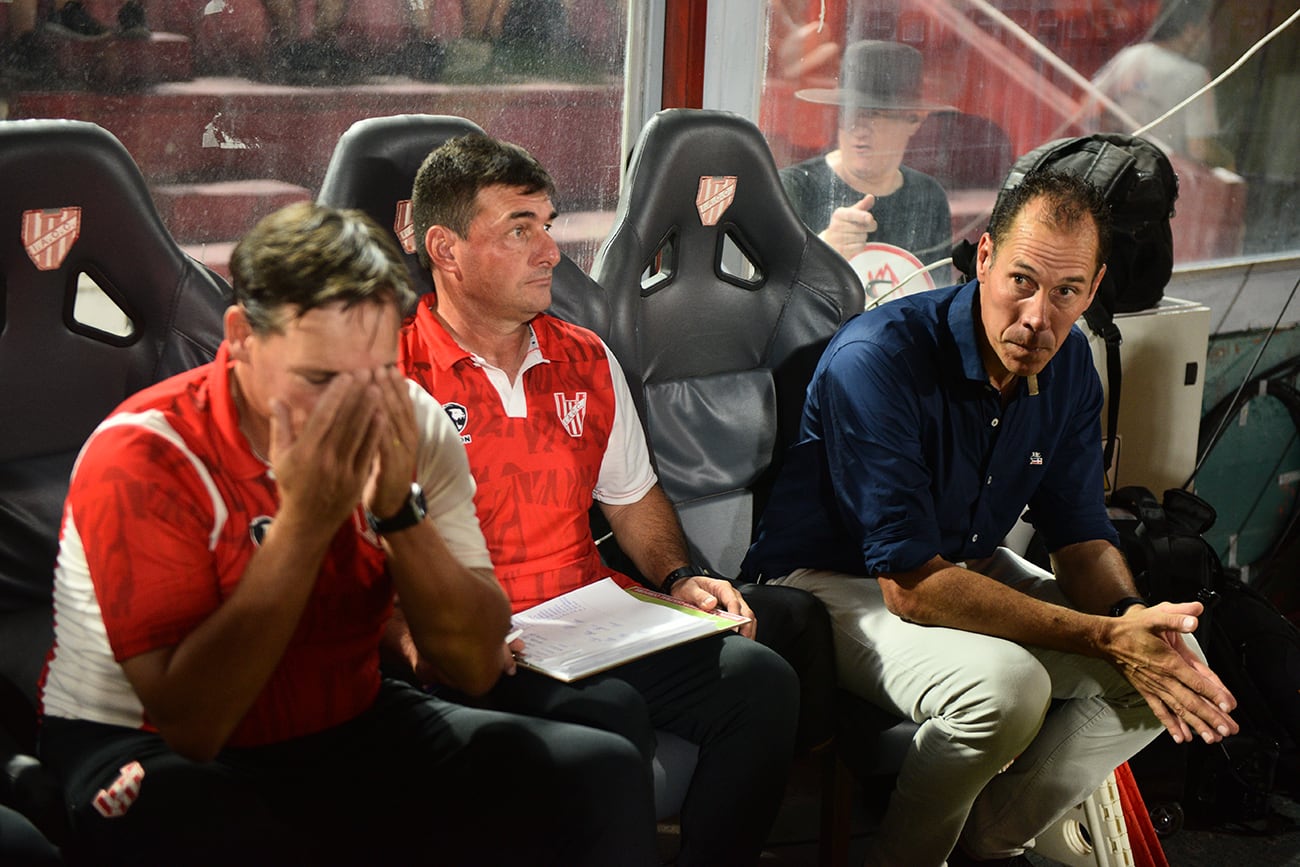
pixel 914 217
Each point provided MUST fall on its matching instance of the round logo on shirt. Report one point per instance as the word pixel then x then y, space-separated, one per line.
pixel 888 272
pixel 257 528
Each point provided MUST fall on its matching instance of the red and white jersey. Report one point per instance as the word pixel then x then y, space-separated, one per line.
pixel 540 447
pixel 166 507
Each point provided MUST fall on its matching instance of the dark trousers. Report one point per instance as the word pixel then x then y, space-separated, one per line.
pixel 414 780
pixel 795 624
pixel 733 697
pixel 21 845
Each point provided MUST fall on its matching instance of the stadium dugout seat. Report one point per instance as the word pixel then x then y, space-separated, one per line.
pixel 720 302
pixel 75 210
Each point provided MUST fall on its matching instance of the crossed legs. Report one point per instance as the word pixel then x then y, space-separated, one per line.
pixel 1060 721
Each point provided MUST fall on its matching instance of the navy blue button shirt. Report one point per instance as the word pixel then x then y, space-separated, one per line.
pixel 905 450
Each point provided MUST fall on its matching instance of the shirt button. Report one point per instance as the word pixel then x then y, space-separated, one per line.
pixel 989 480
pixel 975 538
pixel 994 422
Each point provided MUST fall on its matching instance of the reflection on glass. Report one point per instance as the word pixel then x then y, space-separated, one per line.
pixel 233 107
pixel 860 192
pixel 1150 78
pixel 1018 73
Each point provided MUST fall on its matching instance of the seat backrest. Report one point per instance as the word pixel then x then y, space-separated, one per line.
pixel 961 151
pixel 74 203
pixel 373 169
pixel 720 302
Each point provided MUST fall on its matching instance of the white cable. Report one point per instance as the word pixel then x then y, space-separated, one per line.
pixel 1053 60
pixel 1222 75
pixel 901 283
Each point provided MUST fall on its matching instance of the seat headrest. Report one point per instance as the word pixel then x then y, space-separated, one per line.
pixel 702 187
pixel 374 165
pixel 74 202
pixel 678 147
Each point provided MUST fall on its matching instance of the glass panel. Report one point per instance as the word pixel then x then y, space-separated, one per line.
pixel 233 107
pixel 735 263
pixel 93 308
pixel 662 267
pixel 1000 77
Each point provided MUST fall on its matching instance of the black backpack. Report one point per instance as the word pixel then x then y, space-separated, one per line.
pixel 1139 183
pixel 1248 643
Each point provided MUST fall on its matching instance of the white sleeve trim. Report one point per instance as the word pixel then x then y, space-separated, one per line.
pixel 626 474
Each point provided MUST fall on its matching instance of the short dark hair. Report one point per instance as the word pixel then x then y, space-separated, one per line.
pixel 306 256
pixel 1175 16
pixel 448 183
pixel 1068 200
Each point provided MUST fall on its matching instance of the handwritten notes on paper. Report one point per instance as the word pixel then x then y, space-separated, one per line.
pixel 601 625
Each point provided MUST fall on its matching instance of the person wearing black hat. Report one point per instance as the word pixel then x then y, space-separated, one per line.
pixel 861 191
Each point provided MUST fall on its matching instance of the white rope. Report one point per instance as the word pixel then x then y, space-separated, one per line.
pixel 1054 61
pixel 1222 75
pixel 901 283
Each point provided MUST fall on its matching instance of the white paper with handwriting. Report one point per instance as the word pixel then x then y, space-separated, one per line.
pixel 601 625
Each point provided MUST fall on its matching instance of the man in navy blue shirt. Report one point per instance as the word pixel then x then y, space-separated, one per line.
pixel 929 423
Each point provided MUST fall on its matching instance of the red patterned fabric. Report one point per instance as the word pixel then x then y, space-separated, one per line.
pixel 536 472
pixel 166 506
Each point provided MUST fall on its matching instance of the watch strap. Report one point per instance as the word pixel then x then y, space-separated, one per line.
pixel 1123 605
pixel 689 571
pixel 411 513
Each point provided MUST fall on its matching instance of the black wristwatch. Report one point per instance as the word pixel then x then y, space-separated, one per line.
pixel 411 513
pixel 1118 609
pixel 688 571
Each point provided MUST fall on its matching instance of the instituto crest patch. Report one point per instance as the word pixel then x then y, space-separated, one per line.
pixel 48 235
pixel 572 411
pixel 404 226
pixel 113 802
pixel 715 195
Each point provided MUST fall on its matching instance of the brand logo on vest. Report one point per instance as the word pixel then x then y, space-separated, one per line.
pixel 113 802
pixel 572 411
pixel 714 197
pixel 257 528
pixel 459 416
pixel 49 234
pixel 1035 459
pixel 404 226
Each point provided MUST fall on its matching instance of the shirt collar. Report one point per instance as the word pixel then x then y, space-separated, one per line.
pixel 236 449
pixel 963 316
pixel 446 352
pixel 443 349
